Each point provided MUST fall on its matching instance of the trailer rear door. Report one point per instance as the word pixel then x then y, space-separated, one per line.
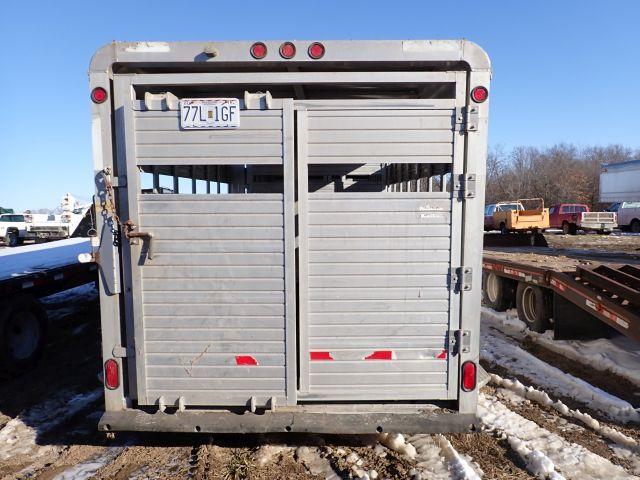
pixel 376 309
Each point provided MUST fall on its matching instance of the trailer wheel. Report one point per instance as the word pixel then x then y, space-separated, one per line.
pixel 635 226
pixel 533 307
pixel 23 325
pixel 503 229
pixel 573 229
pixel 497 292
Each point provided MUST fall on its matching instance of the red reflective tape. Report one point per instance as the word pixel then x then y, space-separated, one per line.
pixel 245 360
pixel 442 355
pixel 381 355
pixel 319 356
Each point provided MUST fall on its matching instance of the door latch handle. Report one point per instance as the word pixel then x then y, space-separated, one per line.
pixel 130 232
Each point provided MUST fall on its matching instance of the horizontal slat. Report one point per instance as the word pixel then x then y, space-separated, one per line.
pixel 221 233
pixel 410 111
pixel 172 123
pixel 384 203
pixel 392 367
pixel 211 160
pixel 390 330
pixel 369 231
pixel 211 137
pixel 380 218
pixel 383 293
pixel 195 396
pixel 344 318
pixel 395 122
pixel 207 309
pixel 378 256
pixel 398 392
pixel 217 259
pixel 211 359
pixel 231 197
pixel 213 322
pixel 375 150
pixel 145 114
pixel 379 136
pixel 218 246
pixel 382 379
pixel 380 243
pixel 202 371
pixel 214 297
pixel 208 284
pixel 210 220
pixel 373 281
pixel 214 206
pixel 378 269
pixel 214 335
pixel 389 306
pixel 151 271
pixel 217 384
pixel 375 343
pixel 356 196
pixel 348 160
pixel 196 348
pixel 213 150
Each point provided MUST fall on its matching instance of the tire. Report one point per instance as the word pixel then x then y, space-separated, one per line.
pixel 534 307
pixel 497 292
pixel 23 327
pixel 565 228
pixel 11 239
pixel 634 227
pixel 573 229
pixel 503 229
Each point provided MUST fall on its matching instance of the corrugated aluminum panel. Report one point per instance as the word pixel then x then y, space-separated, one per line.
pixel 378 298
pixel 214 298
pixel 159 141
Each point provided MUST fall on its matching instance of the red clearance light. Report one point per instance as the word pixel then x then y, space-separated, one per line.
pixel 287 50
pixel 111 377
pixel 258 50
pixel 479 94
pixel 468 376
pixel 98 95
pixel 316 50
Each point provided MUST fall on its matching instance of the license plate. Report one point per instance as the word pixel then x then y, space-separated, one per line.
pixel 209 113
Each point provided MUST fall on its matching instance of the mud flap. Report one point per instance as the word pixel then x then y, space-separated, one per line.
pixel 573 323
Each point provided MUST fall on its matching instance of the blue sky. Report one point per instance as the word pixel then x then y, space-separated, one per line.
pixel 564 71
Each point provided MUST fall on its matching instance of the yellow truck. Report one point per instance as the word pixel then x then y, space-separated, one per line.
pixel 529 216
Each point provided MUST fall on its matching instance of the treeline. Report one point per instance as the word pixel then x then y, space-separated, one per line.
pixel 560 173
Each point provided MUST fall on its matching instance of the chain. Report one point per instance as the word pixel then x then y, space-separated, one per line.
pixel 107 203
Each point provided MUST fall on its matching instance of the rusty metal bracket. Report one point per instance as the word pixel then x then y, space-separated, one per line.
pixel 131 233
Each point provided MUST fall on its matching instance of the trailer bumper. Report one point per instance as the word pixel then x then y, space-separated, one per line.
pixel 605 227
pixel 302 419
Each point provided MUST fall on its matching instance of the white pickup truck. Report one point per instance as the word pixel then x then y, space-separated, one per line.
pixel 13 228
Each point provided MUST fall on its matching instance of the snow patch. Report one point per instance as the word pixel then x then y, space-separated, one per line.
pixel 19 435
pixel 497 349
pixel 88 468
pixel 619 354
pixel 546 454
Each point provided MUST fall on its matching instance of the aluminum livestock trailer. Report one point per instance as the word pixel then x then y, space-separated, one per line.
pixel 290 234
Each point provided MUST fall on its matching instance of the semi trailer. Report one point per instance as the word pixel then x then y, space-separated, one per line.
pixel 290 234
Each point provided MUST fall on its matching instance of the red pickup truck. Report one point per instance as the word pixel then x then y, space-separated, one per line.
pixel 571 217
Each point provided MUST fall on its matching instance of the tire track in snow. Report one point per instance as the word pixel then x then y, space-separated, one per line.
pixel 498 350
pixel 546 454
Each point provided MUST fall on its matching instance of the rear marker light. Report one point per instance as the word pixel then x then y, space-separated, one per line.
pixel 98 95
pixel 316 50
pixel 479 94
pixel 111 376
pixel 468 376
pixel 258 50
pixel 287 50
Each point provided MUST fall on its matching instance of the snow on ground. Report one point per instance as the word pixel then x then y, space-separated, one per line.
pixel 619 354
pixel 434 455
pixel 498 349
pixel 546 454
pixel 19 435
pixel 15 262
pixel 86 469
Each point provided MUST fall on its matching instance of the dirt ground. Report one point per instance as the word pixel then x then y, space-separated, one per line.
pixel 66 445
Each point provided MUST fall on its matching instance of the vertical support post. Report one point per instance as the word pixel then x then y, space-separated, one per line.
pixel 156 179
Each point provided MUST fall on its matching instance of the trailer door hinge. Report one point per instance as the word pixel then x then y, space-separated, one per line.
pixel 467 119
pixel 119 182
pixel 464 185
pixel 123 352
pixel 459 341
pixel 461 279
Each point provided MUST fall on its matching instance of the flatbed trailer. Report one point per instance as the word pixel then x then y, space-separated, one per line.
pixel 26 275
pixel 576 298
